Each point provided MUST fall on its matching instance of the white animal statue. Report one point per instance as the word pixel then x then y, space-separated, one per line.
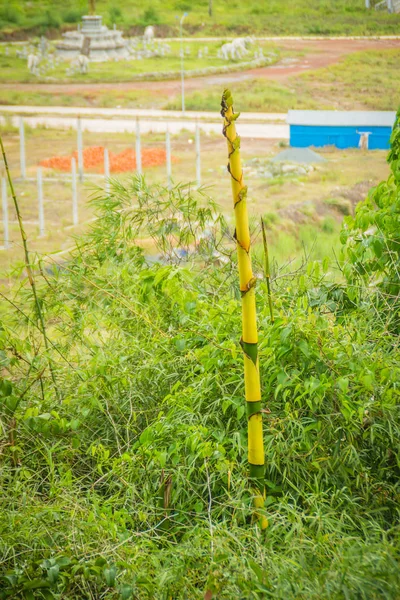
pixel 239 45
pixel 148 34
pixel 228 51
pixel 33 63
pixel 83 63
pixel 236 49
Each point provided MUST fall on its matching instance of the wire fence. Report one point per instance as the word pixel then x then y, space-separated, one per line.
pixel 42 210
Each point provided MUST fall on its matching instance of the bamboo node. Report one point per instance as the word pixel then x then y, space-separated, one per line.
pixel 233 177
pixel 247 250
pixel 250 284
pixel 235 145
pixel 250 349
pixel 253 408
pixel 242 195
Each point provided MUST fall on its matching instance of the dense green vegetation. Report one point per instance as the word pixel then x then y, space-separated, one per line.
pixel 127 477
pixel 322 17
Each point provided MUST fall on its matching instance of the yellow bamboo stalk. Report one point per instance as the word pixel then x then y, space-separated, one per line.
pixel 247 281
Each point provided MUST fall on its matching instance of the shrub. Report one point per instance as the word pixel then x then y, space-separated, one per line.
pixel 72 15
pixel 150 16
pixel 371 239
pixel 342 205
pixel 183 5
pixel 115 14
pixel 270 218
pixel 11 13
pixel 49 19
pixel 328 225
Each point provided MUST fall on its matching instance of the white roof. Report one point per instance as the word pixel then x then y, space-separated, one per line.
pixel 353 118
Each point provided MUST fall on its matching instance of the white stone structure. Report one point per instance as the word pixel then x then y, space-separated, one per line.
pixel 33 64
pixel 102 43
pixel 235 50
pixel 148 35
pixel 83 63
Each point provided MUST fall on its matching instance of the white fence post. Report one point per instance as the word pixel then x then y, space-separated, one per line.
pixel 138 149
pixel 169 168
pixel 80 148
pixel 198 163
pixel 40 200
pixel 107 170
pixel 5 212
pixel 75 217
pixel 367 4
pixel 22 147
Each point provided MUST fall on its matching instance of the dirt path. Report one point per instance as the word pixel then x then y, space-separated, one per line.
pixel 317 54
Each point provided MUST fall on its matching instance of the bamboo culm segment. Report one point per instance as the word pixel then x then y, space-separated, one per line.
pixel 249 341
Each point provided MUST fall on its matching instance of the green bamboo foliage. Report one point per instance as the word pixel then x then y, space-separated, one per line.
pixel 28 267
pixel 247 281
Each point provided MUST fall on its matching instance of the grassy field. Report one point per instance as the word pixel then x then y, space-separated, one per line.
pixel 14 69
pixel 140 98
pixel 303 212
pixel 356 82
pixel 341 17
pixel 364 79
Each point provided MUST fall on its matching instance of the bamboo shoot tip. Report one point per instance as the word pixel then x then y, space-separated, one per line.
pixel 227 100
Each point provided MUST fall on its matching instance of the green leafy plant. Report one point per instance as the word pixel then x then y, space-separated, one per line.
pixel 371 239
pixel 133 483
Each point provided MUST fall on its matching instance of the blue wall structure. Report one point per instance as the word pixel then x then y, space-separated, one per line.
pixel 302 136
pixel 339 128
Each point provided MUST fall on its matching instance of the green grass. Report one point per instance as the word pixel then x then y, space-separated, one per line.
pixel 319 18
pixel 258 95
pixel 369 79
pixel 14 69
pixel 363 80
pixel 356 82
pixel 140 98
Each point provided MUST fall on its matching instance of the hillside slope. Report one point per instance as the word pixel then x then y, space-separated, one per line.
pixel 21 19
